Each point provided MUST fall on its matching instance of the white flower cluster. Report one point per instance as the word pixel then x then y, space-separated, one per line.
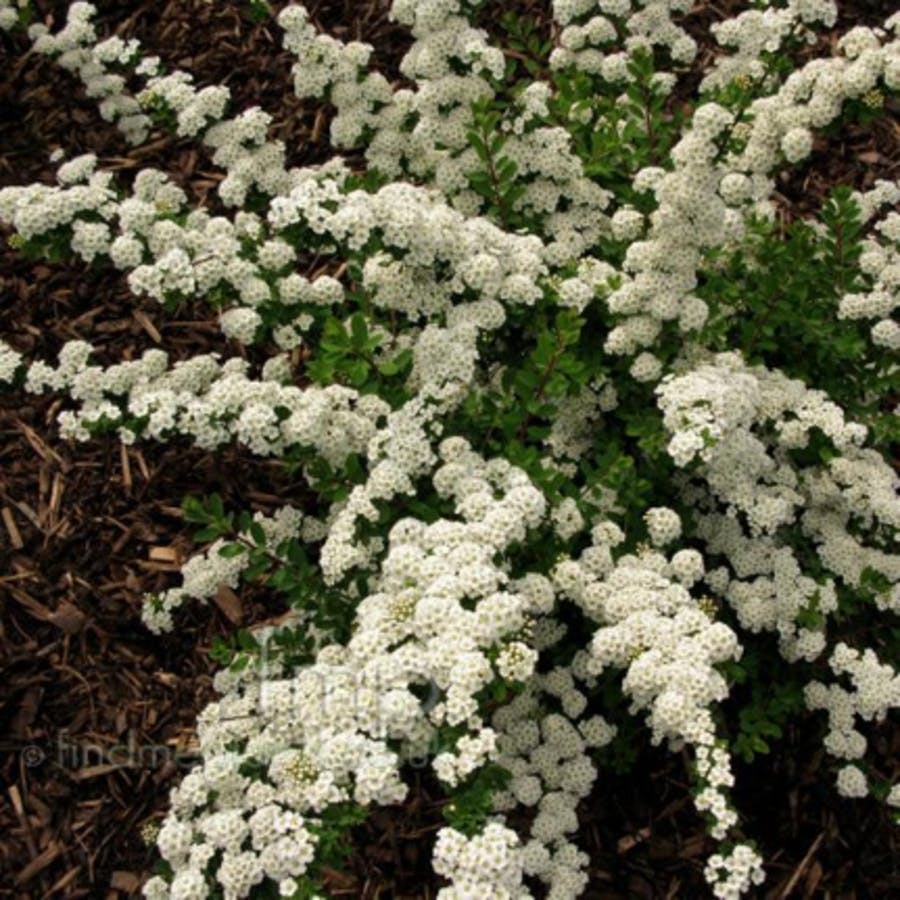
pixel 194 110
pixel 211 402
pixel 421 235
pixel 328 68
pixel 10 363
pixel 755 32
pixel 308 735
pixel 435 146
pixel 880 263
pixel 716 403
pixel 475 598
pixel 734 873
pixel 37 208
pixel 486 865
pixel 455 559
pixel 205 573
pixel 652 626
pixel 438 607
pixel 239 144
pixel 875 691
pixel 10 11
pixel 661 270
pixel 166 260
pixel 365 101
pixel 399 454
pixel 76 49
pixel 703 201
pixel 812 97
pixel 578 417
pixel 742 424
pixel 548 757
pixel 590 29
pixel 663 525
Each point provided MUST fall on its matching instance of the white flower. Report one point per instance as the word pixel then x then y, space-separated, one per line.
pixel 851 782
pixel 796 144
pixel 240 323
pixel 663 525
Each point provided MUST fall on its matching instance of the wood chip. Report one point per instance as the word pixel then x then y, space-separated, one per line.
pixel 68 617
pixel 230 604
pixel 38 610
pixel 165 554
pixel 20 727
pixel 39 863
pixel 29 513
pixel 66 880
pixel 142 465
pixel 121 541
pixel 44 479
pixel 116 326
pixel 337 880
pixel 623 845
pixel 318 126
pixel 56 495
pixel 12 529
pixel 174 511
pixel 801 867
pixel 16 797
pixel 694 846
pixel 126 468
pixel 129 882
pixel 813 878
pixel 158 566
pixel 144 321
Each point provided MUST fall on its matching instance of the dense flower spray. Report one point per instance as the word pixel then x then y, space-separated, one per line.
pixel 535 364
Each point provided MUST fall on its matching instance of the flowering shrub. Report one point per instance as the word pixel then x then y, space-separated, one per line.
pixel 578 413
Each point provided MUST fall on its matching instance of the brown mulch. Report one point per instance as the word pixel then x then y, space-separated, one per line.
pixel 96 714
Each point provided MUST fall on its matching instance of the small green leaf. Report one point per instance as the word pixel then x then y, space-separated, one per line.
pixel 216 506
pixel 358 330
pixel 258 534
pixel 230 551
pixel 210 533
pixel 193 510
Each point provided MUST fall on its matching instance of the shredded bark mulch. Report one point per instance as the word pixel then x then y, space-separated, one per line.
pixel 96 714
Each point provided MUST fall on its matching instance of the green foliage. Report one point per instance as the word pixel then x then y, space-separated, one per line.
pixel 496 182
pixel 332 830
pixel 345 354
pixel 54 245
pixel 615 139
pixel 259 10
pixel 764 718
pixel 775 296
pixel 288 569
pixel 210 513
pixel 472 803
pixel 767 694
pixel 161 114
pixel 528 48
